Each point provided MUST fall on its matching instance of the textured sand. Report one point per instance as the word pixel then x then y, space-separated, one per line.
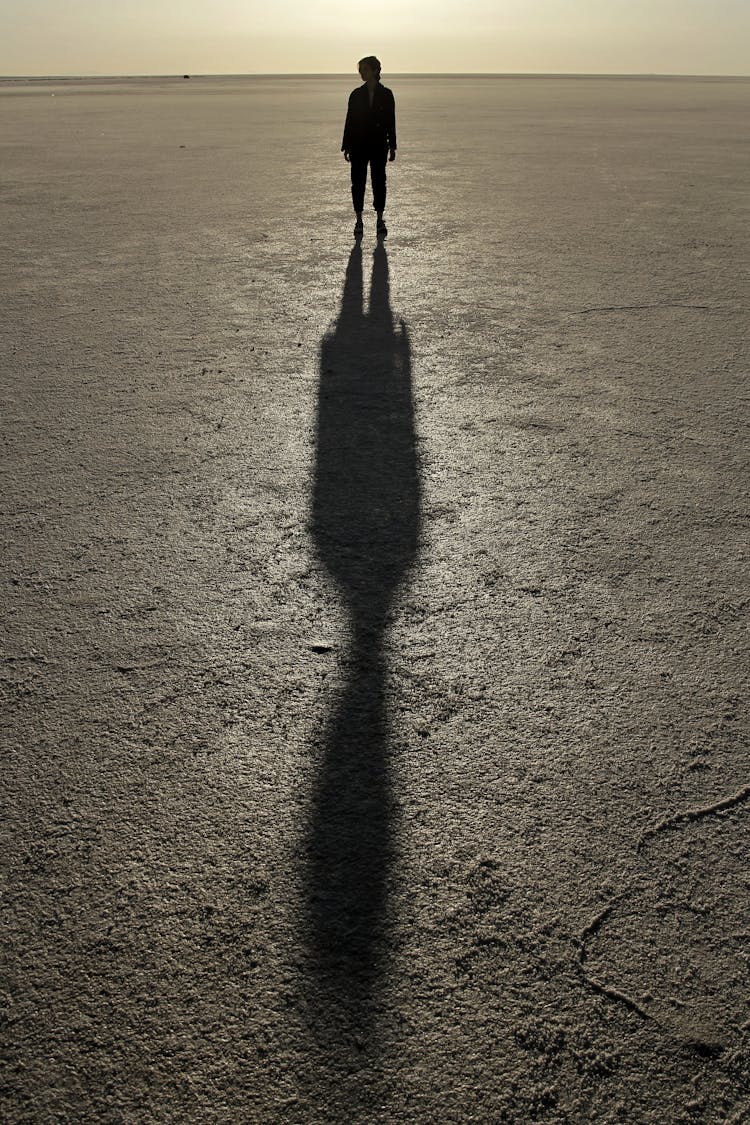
pixel 374 668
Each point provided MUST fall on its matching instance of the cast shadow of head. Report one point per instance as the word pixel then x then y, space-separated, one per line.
pixel 366 506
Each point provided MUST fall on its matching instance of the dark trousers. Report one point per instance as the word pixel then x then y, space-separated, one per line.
pixel 376 158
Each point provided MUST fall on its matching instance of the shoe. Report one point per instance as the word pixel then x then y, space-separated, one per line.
pixel 358 228
pixel 382 229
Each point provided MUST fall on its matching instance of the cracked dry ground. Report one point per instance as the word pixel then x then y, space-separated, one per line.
pixel 374 653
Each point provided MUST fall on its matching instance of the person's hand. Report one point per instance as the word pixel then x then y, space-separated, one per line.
pixel 347 157
pixel 392 154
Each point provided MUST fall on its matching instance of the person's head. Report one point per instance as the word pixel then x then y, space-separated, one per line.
pixel 369 67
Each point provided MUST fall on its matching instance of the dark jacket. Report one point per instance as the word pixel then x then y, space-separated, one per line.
pixel 370 127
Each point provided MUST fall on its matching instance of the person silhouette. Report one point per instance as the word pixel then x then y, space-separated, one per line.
pixel 369 139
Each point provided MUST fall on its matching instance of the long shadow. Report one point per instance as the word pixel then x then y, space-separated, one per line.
pixel 366 509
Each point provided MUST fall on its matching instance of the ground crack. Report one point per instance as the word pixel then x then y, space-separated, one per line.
pixel 594 925
pixel 640 308
pixel 602 989
pixel 694 814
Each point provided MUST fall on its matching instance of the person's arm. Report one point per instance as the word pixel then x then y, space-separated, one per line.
pixel 392 128
pixel 346 143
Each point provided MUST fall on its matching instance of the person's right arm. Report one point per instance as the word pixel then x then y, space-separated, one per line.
pixel 346 143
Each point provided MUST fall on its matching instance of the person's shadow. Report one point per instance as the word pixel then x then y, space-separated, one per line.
pixel 366 513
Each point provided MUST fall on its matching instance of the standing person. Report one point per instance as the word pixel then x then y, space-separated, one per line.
pixel 369 138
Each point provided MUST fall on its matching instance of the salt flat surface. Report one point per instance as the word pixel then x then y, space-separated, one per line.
pixel 374 658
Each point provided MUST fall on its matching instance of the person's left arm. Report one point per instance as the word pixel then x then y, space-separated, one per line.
pixel 391 126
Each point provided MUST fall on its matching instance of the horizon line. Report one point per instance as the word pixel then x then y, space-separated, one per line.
pixel 394 74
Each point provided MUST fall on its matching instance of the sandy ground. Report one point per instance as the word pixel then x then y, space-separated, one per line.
pixel 374 652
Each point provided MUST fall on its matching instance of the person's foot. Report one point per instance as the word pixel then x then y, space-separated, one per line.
pixel 358 228
pixel 382 229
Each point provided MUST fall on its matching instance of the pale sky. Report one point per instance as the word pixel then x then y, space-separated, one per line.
pixel 45 37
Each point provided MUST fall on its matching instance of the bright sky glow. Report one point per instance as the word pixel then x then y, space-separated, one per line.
pixel 328 36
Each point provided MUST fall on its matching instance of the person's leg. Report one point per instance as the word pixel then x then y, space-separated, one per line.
pixel 359 179
pixel 377 174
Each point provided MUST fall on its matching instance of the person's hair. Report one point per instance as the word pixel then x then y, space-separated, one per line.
pixel 372 62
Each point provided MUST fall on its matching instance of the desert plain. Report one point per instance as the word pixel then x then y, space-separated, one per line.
pixel 374 633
